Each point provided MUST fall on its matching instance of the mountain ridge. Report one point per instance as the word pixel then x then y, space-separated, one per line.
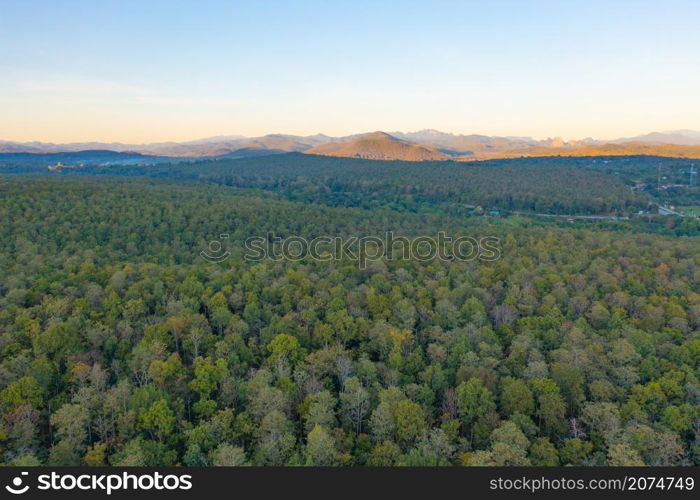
pixel 380 146
pixel 426 144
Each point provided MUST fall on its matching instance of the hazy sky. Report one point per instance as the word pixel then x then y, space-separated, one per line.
pixel 166 70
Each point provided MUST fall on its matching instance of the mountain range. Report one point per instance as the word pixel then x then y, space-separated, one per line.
pixel 380 146
pixel 411 146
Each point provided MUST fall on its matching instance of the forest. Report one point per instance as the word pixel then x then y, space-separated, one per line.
pixel 120 345
pixel 531 185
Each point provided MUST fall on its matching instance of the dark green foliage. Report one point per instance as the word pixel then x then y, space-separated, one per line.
pixel 558 186
pixel 119 345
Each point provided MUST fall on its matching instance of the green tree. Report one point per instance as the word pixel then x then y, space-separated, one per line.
pixel 473 400
pixel 516 397
pixel 543 453
pixel 355 403
pixel 410 421
pixel 158 420
pixel 320 448
pixel 70 421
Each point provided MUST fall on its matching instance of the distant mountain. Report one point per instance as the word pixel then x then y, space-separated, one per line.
pixel 465 144
pixel 160 148
pixel 379 146
pixel 84 157
pixel 190 150
pixel 217 138
pixel 284 142
pixel 75 160
pixel 49 147
pixel 426 144
pixel 242 146
pixel 606 149
pixel 695 134
pixel 682 137
pixel 211 147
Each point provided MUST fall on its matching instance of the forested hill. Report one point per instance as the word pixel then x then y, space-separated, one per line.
pixel 38 162
pixel 411 186
pixel 119 345
pixel 559 186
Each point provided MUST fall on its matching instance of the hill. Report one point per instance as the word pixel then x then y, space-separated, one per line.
pixel 466 144
pixel 235 147
pixel 202 148
pixel 608 149
pixel 380 146
pixel 422 145
pixel 684 137
pixel 39 162
pixel 555 185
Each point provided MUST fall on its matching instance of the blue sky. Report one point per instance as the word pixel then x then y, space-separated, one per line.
pixel 157 70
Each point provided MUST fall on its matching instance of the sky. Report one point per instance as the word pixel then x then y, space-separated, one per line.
pixel 151 71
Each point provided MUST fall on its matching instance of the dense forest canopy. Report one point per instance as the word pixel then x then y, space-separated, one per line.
pixel 120 345
pixel 560 186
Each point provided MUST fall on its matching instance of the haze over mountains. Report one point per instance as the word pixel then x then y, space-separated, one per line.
pixel 410 146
